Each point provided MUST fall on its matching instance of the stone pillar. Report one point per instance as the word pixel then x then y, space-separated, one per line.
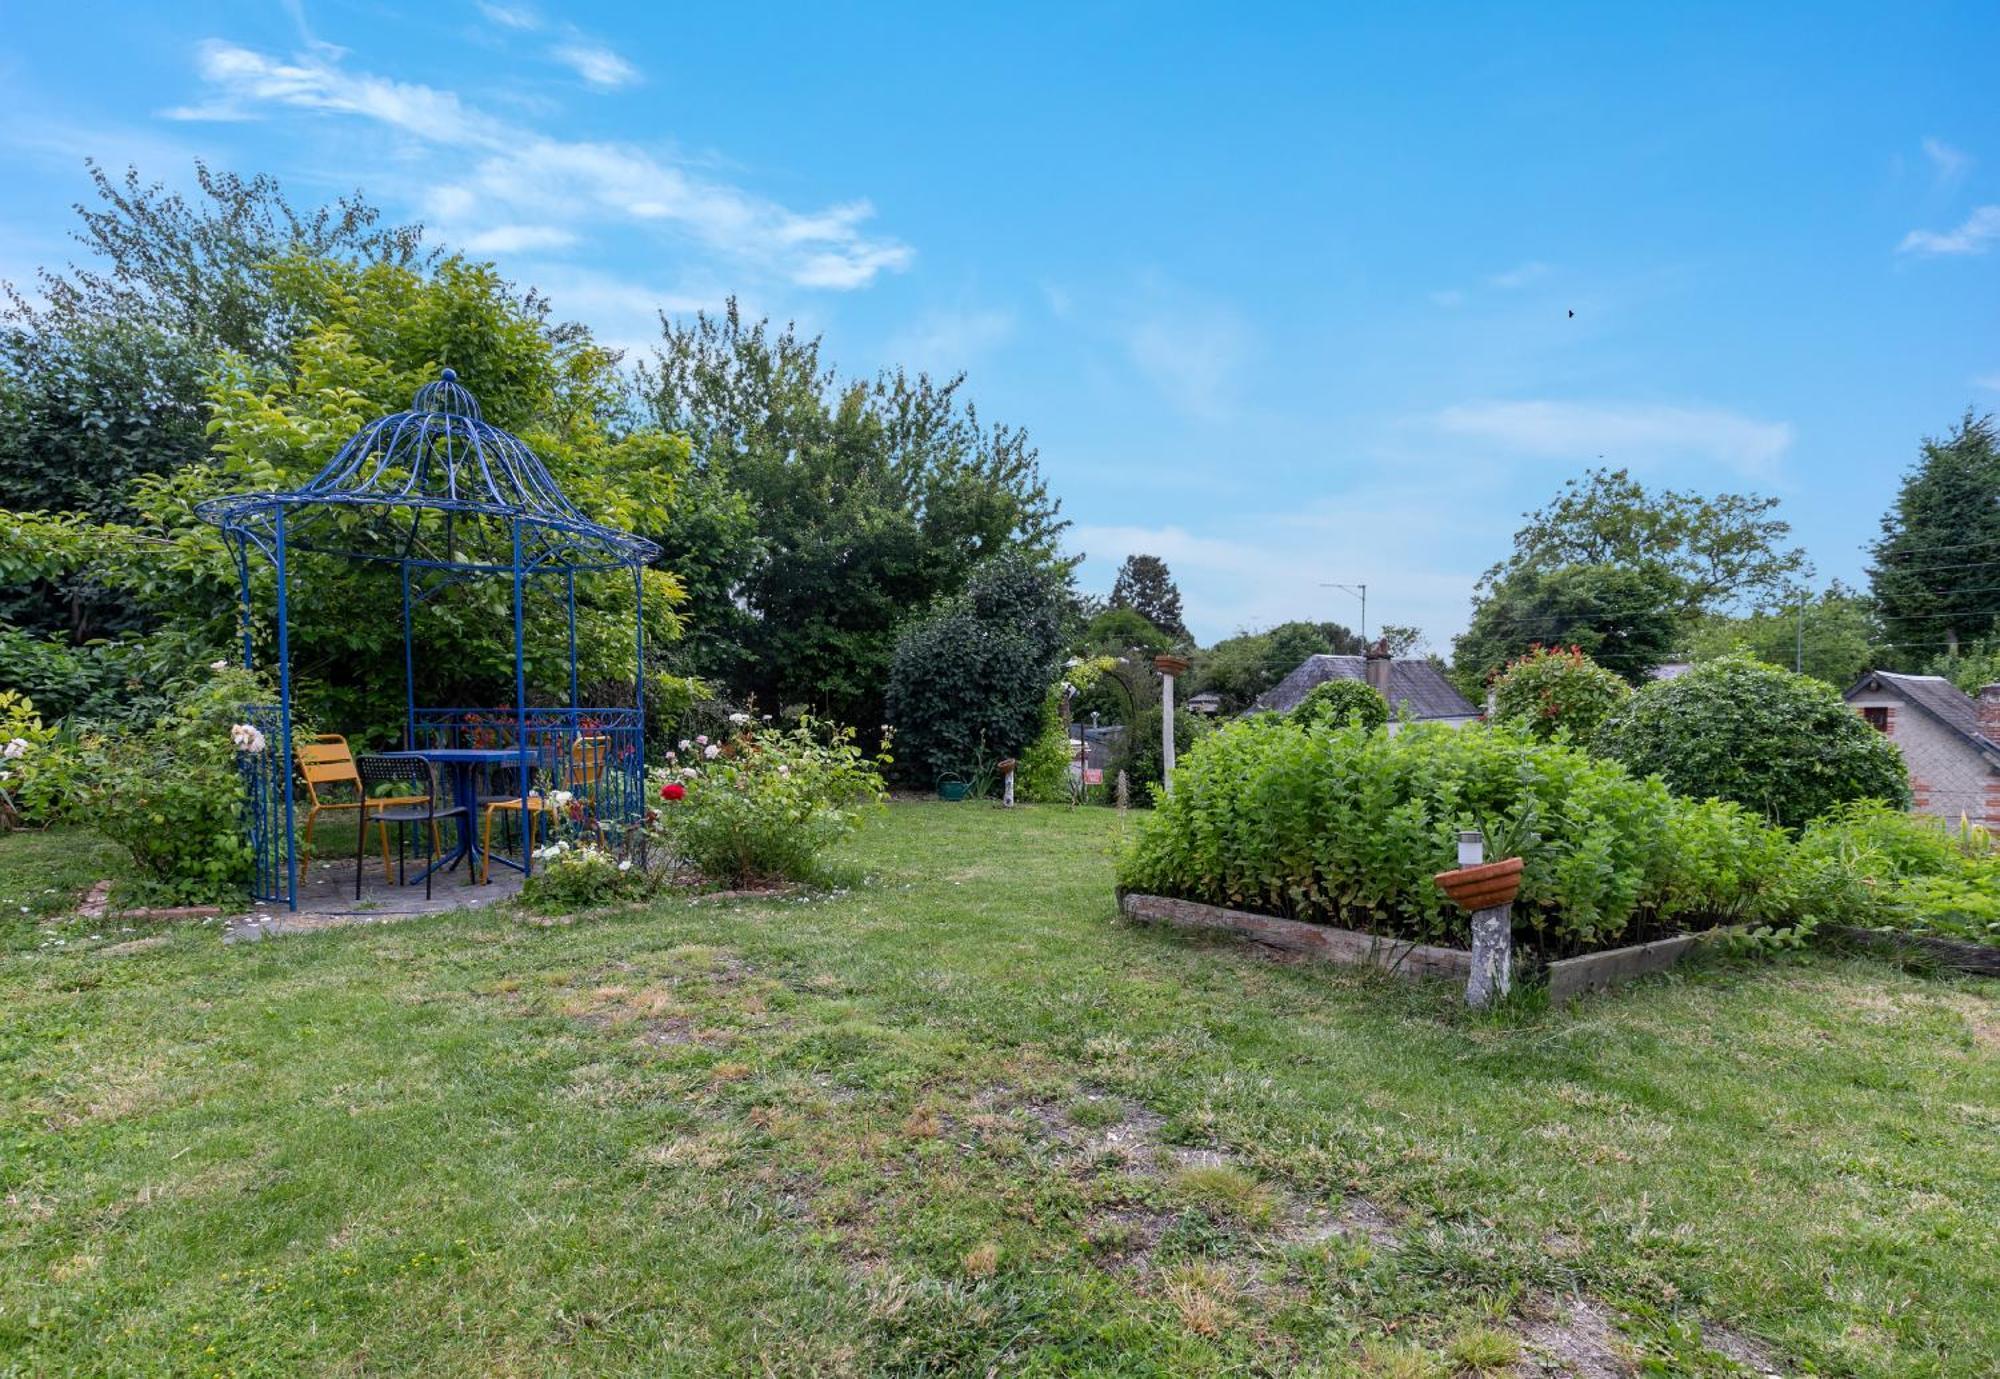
pixel 1007 783
pixel 1169 667
pixel 1492 975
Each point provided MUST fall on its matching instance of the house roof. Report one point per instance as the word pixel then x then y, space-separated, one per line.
pixel 1934 695
pixel 1417 688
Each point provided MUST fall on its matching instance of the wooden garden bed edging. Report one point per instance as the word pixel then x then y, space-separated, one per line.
pixel 1321 941
pixel 1960 955
pixel 1594 971
pixel 1567 977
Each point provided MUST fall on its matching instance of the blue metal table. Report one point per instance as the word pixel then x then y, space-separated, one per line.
pixel 464 762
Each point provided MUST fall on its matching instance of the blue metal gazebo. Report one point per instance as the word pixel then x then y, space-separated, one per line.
pixel 441 496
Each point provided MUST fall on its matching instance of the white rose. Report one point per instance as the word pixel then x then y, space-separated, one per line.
pixel 625 865
pixel 218 666
pixel 739 719
pixel 560 798
pixel 16 747
pixel 784 770
pixel 685 744
pixel 711 751
pixel 247 739
pixel 702 738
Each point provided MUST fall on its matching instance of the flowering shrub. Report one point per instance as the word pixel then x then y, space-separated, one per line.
pixel 1557 692
pixel 35 765
pixel 171 791
pixel 581 876
pixel 765 803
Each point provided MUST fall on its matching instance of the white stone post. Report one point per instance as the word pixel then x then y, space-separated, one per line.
pixel 1492 974
pixel 1007 783
pixel 1168 666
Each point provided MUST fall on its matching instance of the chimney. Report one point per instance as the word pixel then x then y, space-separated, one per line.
pixel 1989 713
pixel 1375 667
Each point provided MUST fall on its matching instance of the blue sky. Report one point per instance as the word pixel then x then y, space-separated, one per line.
pixel 1283 293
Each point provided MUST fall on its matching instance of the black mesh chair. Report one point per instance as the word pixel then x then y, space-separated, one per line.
pixel 402 790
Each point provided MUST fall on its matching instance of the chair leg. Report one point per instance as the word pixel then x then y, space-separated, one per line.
pixel 486 847
pixel 306 841
pixel 360 852
pixel 433 865
pixel 388 873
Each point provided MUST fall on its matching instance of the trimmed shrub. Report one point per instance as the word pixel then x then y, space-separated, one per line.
pixel 1340 704
pixel 970 677
pixel 1557 692
pixel 1782 745
pixel 1348 826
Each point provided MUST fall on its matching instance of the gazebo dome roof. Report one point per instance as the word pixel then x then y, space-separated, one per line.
pixel 437 487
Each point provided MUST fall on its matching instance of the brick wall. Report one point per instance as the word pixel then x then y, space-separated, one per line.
pixel 1948 776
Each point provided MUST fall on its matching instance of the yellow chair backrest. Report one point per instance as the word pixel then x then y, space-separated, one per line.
pixel 326 760
pixel 587 756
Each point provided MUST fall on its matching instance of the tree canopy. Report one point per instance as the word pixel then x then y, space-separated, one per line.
pixel 1624 618
pixel 1145 586
pixel 1242 667
pixel 825 509
pixel 1706 553
pixel 1937 563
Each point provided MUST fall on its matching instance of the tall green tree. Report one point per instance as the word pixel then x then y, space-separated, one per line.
pixel 861 501
pixel 1146 586
pixel 1936 570
pixel 1624 618
pixel 1706 553
pixel 103 365
pixel 1832 636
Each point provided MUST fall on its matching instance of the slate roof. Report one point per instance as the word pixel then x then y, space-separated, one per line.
pixel 1934 695
pixel 1417 688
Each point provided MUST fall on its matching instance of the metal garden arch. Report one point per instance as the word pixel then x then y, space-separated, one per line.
pixel 440 495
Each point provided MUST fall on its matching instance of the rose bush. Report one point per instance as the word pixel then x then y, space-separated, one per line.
pixel 765 803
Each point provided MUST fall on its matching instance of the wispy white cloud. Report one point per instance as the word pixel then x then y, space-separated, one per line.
pixel 596 64
pixel 1975 236
pixel 1261 568
pixel 1990 382
pixel 1518 276
pixel 514 171
pixel 1949 164
pixel 511 16
pixel 514 239
pixel 1622 433
pixel 1194 354
pixel 1448 297
pixel 947 341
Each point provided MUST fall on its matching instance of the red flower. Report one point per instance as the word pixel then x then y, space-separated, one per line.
pixel 673 790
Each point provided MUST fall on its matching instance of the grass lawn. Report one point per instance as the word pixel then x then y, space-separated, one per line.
pixel 955 1118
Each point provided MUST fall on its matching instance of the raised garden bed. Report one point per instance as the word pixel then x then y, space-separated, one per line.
pixel 1567 977
pixel 1960 955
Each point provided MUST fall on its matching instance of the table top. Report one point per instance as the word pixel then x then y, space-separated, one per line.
pixel 464 753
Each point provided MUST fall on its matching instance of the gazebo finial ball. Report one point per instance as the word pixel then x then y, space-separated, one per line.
pixel 448 376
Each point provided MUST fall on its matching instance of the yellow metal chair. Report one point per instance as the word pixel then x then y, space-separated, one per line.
pixel 587 758
pixel 326 762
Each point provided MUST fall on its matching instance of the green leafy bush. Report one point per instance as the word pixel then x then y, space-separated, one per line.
pixel 1138 752
pixel 1348 826
pixel 1557 692
pixel 1876 867
pixel 35 763
pixel 1339 703
pixel 1783 745
pixel 1724 865
pixel 970 677
pixel 764 804
pixel 577 875
pixel 171 792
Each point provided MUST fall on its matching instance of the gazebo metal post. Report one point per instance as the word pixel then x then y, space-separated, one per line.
pixel 409 670
pixel 639 661
pixel 521 706
pixel 285 717
pixel 569 591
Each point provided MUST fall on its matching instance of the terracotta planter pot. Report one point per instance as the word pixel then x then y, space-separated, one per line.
pixel 1006 766
pixel 1484 886
pixel 1171 665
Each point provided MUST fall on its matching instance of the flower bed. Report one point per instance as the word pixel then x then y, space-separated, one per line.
pixel 1346 827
